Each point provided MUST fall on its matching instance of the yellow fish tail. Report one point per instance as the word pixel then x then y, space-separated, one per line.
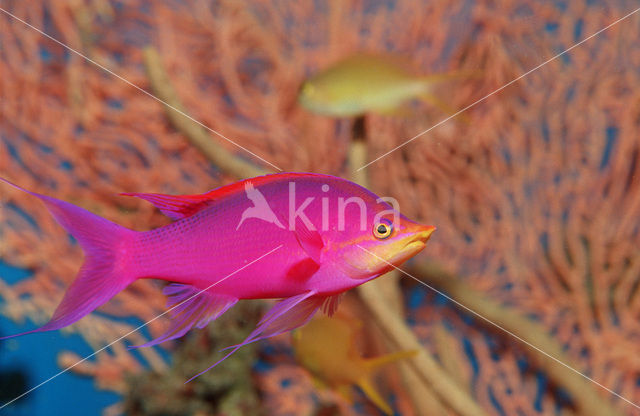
pixel 448 76
pixel 373 395
pixel 427 95
pixel 373 363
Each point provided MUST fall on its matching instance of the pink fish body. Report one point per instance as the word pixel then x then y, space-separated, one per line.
pixel 303 238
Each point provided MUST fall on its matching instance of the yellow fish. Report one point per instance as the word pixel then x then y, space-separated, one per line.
pixel 326 347
pixel 365 83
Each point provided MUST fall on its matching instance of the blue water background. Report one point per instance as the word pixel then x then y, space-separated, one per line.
pixel 36 354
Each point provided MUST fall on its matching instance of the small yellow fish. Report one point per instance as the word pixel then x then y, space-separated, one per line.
pixel 326 347
pixel 365 83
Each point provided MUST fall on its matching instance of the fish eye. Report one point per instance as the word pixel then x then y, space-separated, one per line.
pixel 382 230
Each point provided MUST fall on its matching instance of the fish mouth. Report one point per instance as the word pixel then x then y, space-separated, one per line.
pixel 414 244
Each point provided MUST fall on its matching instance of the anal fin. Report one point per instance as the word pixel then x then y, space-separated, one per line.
pixel 190 307
pixel 286 315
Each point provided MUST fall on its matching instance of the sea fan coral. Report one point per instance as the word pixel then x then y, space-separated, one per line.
pixel 535 199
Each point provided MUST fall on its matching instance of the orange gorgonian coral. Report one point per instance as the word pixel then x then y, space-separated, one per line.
pixel 536 199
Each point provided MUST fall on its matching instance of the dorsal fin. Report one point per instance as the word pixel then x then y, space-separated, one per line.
pixel 174 206
pixel 181 206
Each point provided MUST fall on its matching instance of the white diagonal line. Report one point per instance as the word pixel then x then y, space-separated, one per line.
pixel 136 329
pixel 499 89
pixel 501 328
pixel 139 88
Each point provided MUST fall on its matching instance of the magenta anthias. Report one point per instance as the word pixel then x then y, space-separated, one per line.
pixel 300 237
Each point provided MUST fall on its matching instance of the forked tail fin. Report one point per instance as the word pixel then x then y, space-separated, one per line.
pixel 367 388
pixel 104 272
pixel 373 364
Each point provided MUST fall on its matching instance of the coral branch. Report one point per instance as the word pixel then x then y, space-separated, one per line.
pixel 424 364
pixel 384 299
pixel 586 398
pixel 197 135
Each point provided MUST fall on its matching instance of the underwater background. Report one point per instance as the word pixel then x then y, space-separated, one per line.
pixel 534 190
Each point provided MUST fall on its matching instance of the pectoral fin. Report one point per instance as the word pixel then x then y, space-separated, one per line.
pixel 310 241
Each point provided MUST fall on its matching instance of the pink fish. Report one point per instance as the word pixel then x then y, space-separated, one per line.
pixel 300 237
